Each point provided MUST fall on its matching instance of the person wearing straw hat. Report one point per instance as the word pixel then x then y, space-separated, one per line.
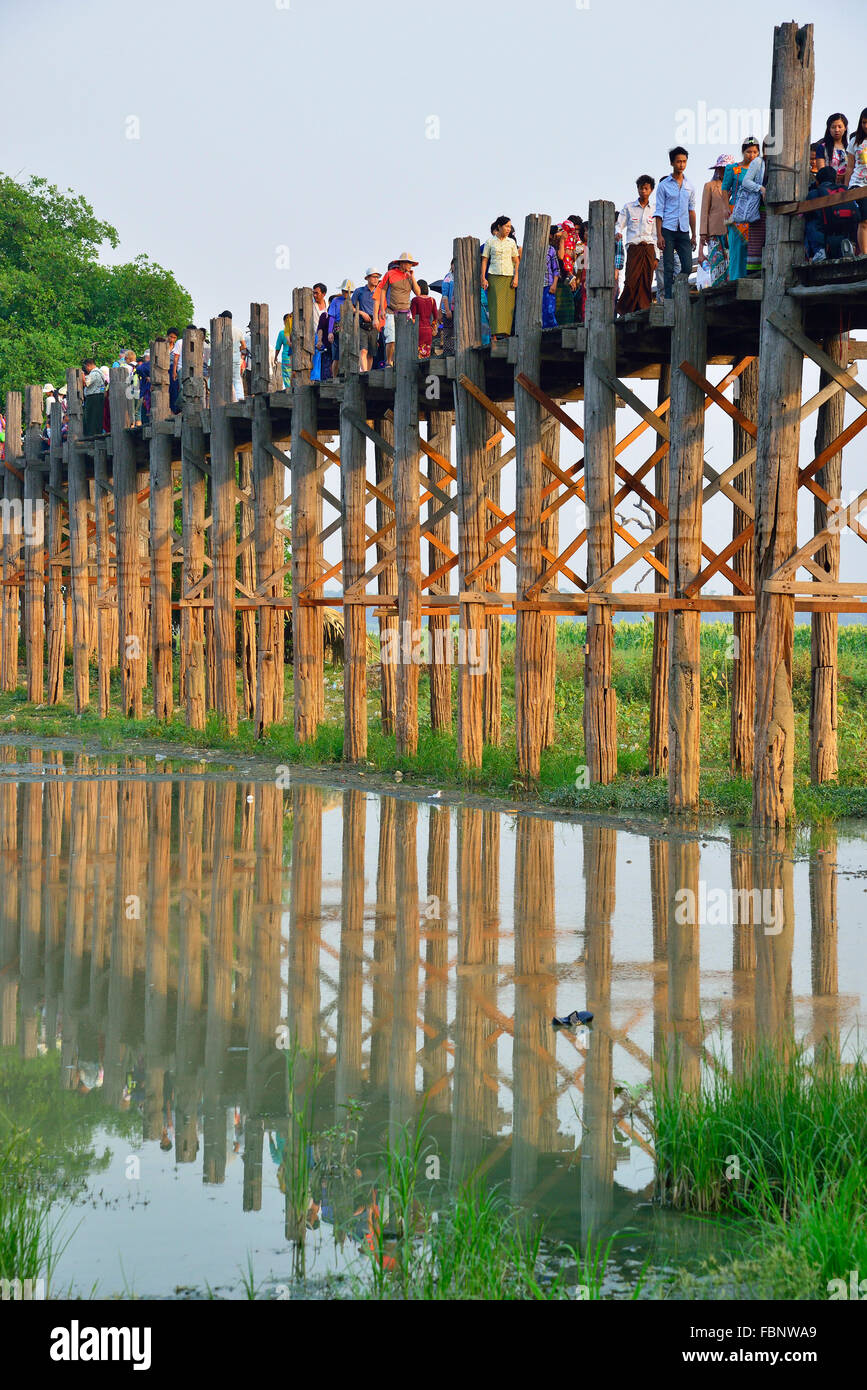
pixel 335 309
pixel 393 296
pixel 712 229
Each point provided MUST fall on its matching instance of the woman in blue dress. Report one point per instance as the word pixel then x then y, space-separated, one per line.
pixel 284 343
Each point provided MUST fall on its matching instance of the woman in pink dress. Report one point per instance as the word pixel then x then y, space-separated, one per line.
pixel 425 313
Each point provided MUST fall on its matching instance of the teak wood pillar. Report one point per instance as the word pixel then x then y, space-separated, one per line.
pixel 223 538
pixel 470 460
pixel 78 563
pixel 34 547
pixel 407 530
pixel 101 495
pixel 13 494
pixel 193 497
pixel 780 372
pixel 130 602
pixel 548 624
pixel 686 471
pixel 658 749
pixel 743 563
pixel 439 437
pixel 56 500
pixel 269 477
pixel 353 498
pixel 386 580
pixel 600 704
pixel 492 720
pixel 528 497
pixel 308 660
pixel 823 637
pixel 162 532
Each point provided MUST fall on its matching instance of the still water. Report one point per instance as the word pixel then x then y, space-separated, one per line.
pixel 169 935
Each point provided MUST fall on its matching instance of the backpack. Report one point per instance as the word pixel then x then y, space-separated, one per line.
pixel 841 220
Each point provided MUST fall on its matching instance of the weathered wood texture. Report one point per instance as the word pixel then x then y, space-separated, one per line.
pixel 56 505
pixel 269 488
pixel 823 644
pixel 658 747
pixel 13 495
pixel 223 538
pixel 307 627
pixel 193 491
pixel 548 624
pixel 407 531
pixel 353 471
pixel 386 579
pixel 78 566
pixel 34 547
pixel 132 647
pixel 743 698
pixel 439 437
pixel 104 632
pixel 161 533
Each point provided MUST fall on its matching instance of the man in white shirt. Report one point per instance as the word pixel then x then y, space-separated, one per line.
pixel 637 226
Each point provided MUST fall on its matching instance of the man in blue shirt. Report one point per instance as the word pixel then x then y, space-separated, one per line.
pixel 675 218
pixel 363 301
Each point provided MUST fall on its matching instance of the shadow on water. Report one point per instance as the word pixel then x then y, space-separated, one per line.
pixel 228 999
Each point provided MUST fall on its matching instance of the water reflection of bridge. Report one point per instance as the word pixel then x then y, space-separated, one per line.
pixel 175 925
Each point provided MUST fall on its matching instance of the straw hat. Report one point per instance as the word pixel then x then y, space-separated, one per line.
pixel 405 256
pixel 347 286
pixel 47 388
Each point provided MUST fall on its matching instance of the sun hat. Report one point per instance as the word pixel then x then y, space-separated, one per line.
pixel 371 270
pixel 722 161
pixel 46 388
pixel 405 256
pixel 346 286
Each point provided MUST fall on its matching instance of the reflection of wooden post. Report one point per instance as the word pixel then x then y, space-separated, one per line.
pixel 434 1059
pixel 743 953
pixel 103 882
pixel 193 488
pixel 54 799
pixel 405 493
pixel 659 662
pixel 386 579
pixel 548 621
pixel 383 946
pixel 743 563
pixel 780 373
pixel 774 877
pixel 307 626
pixel 401 1068
pixel 131 828
pixel 31 917
pixel 528 497
pixel 220 964
pixel 34 547
pixel 78 567
pixel 534 1081
pixel 659 912
pixel 684 960
pixel 132 651
pixel 13 494
pixel 823 645
pixel 353 469
pixel 305 914
pixel 265 1062
pixel 157 955
pixel 162 531
pixel 439 435
pixel 823 943
pixel 347 1084
pixel 487 989
pixel 191 796
pixel 597 1150
pixel 56 617
pixel 470 459
pixel 470 1022
pixel 10 867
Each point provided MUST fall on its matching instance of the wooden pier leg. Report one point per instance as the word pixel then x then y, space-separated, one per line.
pixel 408 541
pixel 353 468
pixel 439 437
pixel 548 624
pixel 386 580
pixel 308 658
pixel 13 496
pixel 471 459
pixel 247 577
pixel 600 705
pixel 823 644
pixel 269 489
pixel 56 617
pixel 131 653
pixel 103 612
pixel 223 538
pixel 34 548
pixel 780 373
pixel 492 723
pixel 162 532
pixel 686 419
pixel 193 489
pixel 78 567
pixel 659 663
pixel 528 498
pixel 743 564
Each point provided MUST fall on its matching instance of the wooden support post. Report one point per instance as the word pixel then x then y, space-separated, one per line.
pixel 269 489
pixel 56 620
pixel 78 567
pixel 548 621
pixel 130 632
pixel 686 469
pixel 439 436
pixel 386 580
pixel 600 706
pixel 780 372
pixel 162 533
pixel 353 468
pixel 193 489
pixel 34 547
pixel 743 564
pixel 659 665
pixel 493 630
pixel 823 643
pixel 223 538
pixel 470 441
pixel 308 659
pixel 13 496
pixel 407 531
pixel 103 612
pixel 247 578
pixel 528 497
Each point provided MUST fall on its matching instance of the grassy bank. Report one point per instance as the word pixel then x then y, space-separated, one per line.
pixel 436 763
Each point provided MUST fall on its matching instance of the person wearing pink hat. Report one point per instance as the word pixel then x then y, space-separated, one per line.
pixel 713 232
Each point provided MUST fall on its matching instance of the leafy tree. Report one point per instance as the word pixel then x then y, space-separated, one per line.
pixel 57 302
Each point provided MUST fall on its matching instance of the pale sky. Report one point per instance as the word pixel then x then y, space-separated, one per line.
pixel 278 142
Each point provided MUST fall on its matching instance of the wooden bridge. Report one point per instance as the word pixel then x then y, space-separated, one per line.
pixel 237 471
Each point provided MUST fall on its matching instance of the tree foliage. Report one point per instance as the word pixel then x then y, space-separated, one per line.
pixel 57 302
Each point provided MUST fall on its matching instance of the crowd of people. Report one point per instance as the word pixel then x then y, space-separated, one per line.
pixel 658 234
